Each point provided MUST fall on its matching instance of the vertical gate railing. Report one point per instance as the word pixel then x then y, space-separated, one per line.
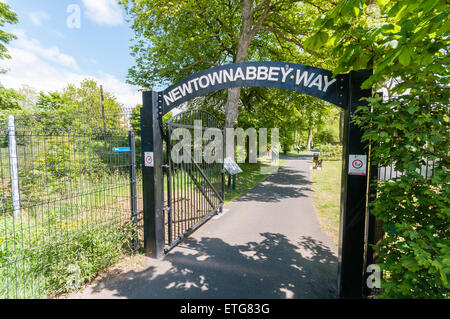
pixel 193 188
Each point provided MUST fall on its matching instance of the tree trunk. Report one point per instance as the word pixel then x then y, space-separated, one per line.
pixel 310 137
pixel 231 108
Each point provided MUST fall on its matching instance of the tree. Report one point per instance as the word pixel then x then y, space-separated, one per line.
pixel 79 107
pixel 9 99
pixel 52 101
pixel 86 102
pixel 177 38
pixel 10 17
pixel 406 42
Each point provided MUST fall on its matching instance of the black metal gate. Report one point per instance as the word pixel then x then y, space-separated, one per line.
pixel 193 187
pixel 343 90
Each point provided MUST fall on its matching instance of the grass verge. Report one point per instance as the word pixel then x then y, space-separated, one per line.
pixel 326 199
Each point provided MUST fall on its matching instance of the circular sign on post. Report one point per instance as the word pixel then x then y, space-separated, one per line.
pixel 358 165
pixel 148 156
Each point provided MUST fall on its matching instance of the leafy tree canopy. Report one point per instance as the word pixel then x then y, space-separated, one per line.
pixel 177 38
pixel 9 99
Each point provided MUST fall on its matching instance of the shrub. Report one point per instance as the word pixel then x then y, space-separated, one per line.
pixel 331 152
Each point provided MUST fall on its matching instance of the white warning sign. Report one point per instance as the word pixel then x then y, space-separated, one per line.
pixel 231 166
pixel 148 157
pixel 357 165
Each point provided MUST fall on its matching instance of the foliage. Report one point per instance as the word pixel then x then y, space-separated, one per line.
pixel 74 107
pixel 135 119
pixel 9 100
pixel 51 167
pixel 331 152
pixel 329 131
pixel 52 101
pixel 406 42
pixel 292 113
pixel 10 17
pixel 324 136
pixel 78 107
pixel 175 39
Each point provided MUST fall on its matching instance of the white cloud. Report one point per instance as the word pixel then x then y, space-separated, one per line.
pixel 59 34
pixel 47 69
pixel 103 12
pixel 51 54
pixel 38 17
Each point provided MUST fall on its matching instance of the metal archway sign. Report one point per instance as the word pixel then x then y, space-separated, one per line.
pixel 289 76
pixel 343 91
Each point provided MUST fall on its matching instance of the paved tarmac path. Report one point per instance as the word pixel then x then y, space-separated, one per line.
pixel 267 244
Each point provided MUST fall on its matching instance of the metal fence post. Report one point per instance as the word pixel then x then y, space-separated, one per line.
pixel 14 172
pixel 131 138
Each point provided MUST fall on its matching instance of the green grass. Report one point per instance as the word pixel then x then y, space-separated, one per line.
pixel 247 180
pixel 326 199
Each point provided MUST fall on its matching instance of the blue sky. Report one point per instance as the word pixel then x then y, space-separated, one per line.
pixel 51 53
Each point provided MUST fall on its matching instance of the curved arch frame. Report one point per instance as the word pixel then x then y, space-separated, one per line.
pixel 299 78
pixel 356 226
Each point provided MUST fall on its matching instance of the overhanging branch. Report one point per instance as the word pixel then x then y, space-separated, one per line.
pixel 284 37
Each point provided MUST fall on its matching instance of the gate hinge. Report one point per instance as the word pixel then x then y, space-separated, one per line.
pixel 165 166
pixel 166 208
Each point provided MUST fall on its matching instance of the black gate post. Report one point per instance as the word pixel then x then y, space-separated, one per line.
pixel 353 196
pixel 152 174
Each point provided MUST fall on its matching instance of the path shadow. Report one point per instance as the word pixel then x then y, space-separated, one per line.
pixel 211 268
pixel 286 183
